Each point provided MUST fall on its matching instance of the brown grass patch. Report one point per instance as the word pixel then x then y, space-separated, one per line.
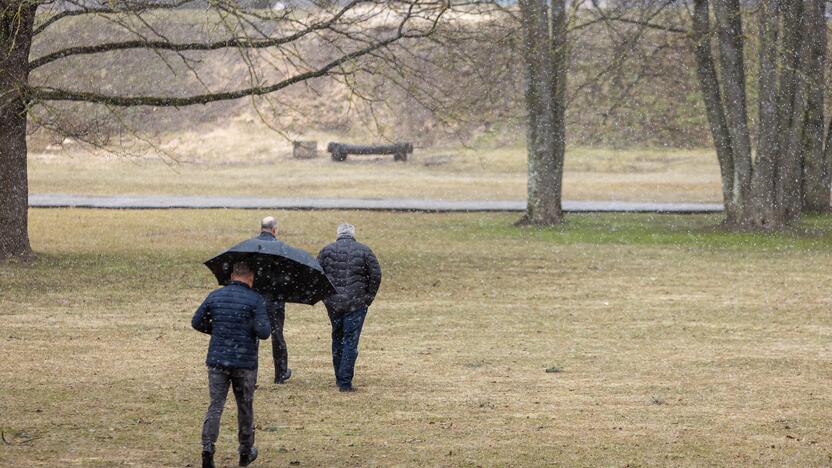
pixel 701 350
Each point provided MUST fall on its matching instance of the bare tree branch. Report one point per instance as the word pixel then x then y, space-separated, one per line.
pixel 130 7
pixel 239 42
pixel 53 94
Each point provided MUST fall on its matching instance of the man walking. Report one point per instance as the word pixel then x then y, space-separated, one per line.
pixel 235 317
pixel 276 311
pixel 354 271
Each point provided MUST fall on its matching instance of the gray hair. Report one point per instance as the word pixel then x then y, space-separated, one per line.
pixel 268 223
pixel 242 269
pixel 346 229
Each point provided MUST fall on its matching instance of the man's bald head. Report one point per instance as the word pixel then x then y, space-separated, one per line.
pixel 269 224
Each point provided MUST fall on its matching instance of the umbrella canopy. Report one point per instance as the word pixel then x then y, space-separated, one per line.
pixel 287 273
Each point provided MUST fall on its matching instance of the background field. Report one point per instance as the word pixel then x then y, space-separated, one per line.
pixel 676 344
pixel 250 160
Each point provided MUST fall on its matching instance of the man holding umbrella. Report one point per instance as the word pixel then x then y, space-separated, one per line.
pixel 235 316
pixel 276 310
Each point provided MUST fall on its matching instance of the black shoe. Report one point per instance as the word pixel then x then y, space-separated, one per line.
pixel 283 377
pixel 346 389
pixel 247 458
pixel 207 460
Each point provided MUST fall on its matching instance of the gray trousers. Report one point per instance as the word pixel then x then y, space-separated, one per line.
pixel 242 382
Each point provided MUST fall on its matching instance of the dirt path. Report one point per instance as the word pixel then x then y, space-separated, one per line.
pixel 56 200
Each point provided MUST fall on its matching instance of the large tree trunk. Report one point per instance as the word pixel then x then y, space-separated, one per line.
pixel 545 132
pixel 709 84
pixel 729 24
pixel 16 19
pixel 816 170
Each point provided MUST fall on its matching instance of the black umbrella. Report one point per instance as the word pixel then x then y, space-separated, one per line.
pixel 289 274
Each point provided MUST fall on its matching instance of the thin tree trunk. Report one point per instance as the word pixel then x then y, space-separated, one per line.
pixel 763 214
pixel 543 206
pixel 709 84
pixel 731 46
pixel 16 21
pixel 560 55
pixel 816 177
pixel 827 155
pixel 792 114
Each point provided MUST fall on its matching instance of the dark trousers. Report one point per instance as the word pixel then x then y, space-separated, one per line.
pixel 277 314
pixel 346 330
pixel 242 381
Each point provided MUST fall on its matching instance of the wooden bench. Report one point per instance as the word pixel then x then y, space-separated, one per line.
pixel 340 151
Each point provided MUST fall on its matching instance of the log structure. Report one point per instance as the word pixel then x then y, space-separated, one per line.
pixel 340 151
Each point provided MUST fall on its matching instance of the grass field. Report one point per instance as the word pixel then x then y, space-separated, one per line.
pixel 249 161
pixel 675 344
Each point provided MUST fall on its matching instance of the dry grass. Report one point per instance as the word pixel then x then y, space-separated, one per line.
pixel 233 161
pixel 677 345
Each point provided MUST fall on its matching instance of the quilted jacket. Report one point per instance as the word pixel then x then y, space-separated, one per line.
pixel 235 317
pixel 354 271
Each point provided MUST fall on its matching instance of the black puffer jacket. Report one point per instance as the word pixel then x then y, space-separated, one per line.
pixel 354 271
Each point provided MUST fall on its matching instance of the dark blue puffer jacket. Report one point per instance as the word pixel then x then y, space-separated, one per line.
pixel 353 269
pixel 234 316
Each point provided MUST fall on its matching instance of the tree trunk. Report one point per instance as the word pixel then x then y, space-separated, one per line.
pixel 731 46
pixel 560 54
pixel 709 84
pixel 827 156
pixel 763 214
pixel 545 132
pixel 792 103
pixel 816 175
pixel 771 191
pixel 16 21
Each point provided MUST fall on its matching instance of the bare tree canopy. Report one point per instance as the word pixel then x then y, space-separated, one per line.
pixel 267 40
pixel 352 30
